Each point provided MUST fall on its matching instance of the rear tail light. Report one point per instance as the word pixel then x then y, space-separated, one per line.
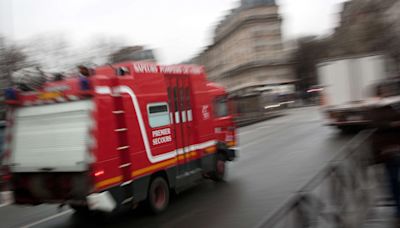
pixel 6 177
pixel 96 175
pixel 5 170
pixel 92 177
pixel 99 173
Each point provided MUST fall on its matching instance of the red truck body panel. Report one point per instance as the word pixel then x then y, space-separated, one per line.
pixel 123 143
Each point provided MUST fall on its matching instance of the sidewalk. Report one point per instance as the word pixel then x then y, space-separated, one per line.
pixel 380 217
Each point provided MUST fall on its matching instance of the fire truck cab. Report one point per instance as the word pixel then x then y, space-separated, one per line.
pixel 128 133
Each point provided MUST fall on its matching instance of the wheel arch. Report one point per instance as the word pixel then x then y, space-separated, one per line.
pixel 167 175
pixel 225 152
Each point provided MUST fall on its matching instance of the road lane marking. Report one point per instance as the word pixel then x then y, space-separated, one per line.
pixel 251 143
pixel 47 219
pixel 255 129
pixel 4 204
pixel 268 124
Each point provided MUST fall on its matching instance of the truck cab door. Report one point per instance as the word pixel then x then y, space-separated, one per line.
pixel 179 96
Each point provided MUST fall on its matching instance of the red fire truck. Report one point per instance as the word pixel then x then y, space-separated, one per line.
pixel 128 133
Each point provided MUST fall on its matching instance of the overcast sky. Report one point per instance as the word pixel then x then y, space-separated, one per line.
pixel 176 29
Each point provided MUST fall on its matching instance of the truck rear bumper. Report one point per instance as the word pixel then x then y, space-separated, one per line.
pixel 103 201
pixel 37 188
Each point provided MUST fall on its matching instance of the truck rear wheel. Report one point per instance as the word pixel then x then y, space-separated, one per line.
pixel 158 195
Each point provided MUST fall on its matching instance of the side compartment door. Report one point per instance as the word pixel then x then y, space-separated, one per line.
pixel 179 96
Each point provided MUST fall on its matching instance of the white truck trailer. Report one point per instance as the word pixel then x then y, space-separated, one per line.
pixel 349 89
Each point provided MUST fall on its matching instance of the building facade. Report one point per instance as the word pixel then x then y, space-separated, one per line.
pixel 132 53
pixel 370 26
pixel 392 14
pixel 247 49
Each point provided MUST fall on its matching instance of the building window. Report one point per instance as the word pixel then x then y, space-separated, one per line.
pixel 158 114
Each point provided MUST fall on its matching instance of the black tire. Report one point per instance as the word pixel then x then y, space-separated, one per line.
pixel 218 175
pixel 349 129
pixel 80 210
pixel 158 195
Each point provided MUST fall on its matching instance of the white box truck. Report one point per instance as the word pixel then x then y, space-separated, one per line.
pixel 349 89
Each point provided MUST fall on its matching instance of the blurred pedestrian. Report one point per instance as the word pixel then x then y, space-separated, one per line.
pixel 83 71
pixel 386 147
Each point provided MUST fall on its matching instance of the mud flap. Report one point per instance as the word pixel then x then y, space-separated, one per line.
pixel 230 154
pixel 6 197
pixel 101 201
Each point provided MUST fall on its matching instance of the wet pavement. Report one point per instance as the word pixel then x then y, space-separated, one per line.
pixel 276 158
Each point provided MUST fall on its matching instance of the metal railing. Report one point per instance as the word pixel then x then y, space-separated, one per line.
pixel 338 196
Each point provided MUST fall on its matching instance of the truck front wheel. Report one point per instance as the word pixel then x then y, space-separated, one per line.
pixel 218 174
pixel 158 195
pixel 349 129
pixel 80 210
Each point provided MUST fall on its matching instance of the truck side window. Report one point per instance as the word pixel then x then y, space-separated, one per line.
pixel 158 114
pixel 220 107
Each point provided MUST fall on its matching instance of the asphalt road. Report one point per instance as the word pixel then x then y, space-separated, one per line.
pixel 276 158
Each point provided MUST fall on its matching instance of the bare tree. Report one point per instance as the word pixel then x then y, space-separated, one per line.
pixel 12 58
pixel 51 52
pixel 99 50
pixel 310 51
pixel 55 53
pixel 363 30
